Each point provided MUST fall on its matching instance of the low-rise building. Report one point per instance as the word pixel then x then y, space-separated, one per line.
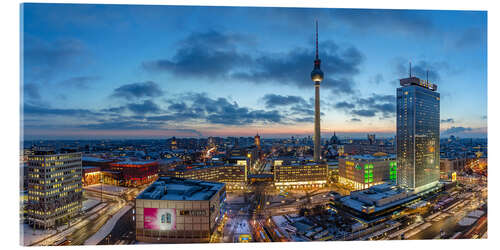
pixel 176 210
pixel 133 173
pixel 376 202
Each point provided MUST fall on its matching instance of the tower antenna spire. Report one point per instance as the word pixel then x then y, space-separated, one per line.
pixel 317 40
pixel 410 69
pixel 427 77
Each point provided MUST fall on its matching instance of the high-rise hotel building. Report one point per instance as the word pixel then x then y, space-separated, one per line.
pixel 417 134
pixel 54 187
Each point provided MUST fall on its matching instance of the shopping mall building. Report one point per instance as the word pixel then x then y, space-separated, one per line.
pixel 177 210
pixel 358 172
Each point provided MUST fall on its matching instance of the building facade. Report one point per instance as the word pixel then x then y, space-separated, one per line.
pixel 363 171
pixel 134 173
pixel 448 166
pixel 333 172
pixel 174 210
pixel 54 187
pixel 234 175
pixel 417 134
pixel 299 175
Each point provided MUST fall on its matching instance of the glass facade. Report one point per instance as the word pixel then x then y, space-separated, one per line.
pixel 417 136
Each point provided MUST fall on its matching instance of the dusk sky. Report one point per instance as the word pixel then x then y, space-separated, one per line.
pixel 131 71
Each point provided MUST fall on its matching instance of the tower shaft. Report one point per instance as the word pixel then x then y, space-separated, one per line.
pixel 317 135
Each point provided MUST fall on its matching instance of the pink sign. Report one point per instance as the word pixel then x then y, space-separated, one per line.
pixel 159 218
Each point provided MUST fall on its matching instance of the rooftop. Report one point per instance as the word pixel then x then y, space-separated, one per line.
pixel 368 157
pixel 171 188
pixel 380 197
pixel 128 162
pixel 94 159
pixel 182 168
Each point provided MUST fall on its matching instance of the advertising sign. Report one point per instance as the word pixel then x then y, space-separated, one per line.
pixel 159 218
pixel 454 176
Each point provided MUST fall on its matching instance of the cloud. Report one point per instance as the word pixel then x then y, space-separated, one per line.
pixel 292 105
pixel 404 21
pixel 470 37
pixel 294 67
pixel 41 59
pixel 80 82
pixel 377 79
pixel 118 125
pixel 41 111
pixel 215 55
pixel 138 90
pixel 419 69
pixel 449 120
pixel 137 125
pixel 484 117
pixel 364 112
pixel 344 105
pixel 207 55
pixel 273 100
pixel 118 110
pixel 221 111
pixel 201 108
pixel 31 91
pixel 384 105
pixel 355 119
pixel 304 120
pixel 457 130
pixel 145 107
pixel 409 22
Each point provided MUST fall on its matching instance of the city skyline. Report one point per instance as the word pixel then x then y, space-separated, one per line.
pixel 184 124
pixel 192 77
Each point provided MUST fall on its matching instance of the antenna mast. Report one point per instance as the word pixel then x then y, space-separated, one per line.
pixel 317 40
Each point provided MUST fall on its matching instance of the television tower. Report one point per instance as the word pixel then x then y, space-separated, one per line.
pixel 317 77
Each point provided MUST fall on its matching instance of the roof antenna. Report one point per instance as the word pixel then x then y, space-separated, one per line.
pixel 410 69
pixel 427 80
pixel 317 40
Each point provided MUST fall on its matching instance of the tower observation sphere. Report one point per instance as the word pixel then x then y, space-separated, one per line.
pixel 316 73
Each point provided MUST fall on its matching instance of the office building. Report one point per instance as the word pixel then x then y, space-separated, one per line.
pixel 54 187
pixel 175 210
pixel 234 175
pixel 289 175
pixel 417 134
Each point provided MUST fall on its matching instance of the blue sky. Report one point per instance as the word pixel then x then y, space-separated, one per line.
pixel 138 71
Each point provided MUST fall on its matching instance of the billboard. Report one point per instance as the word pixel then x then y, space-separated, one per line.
pixel 159 218
pixel 454 176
